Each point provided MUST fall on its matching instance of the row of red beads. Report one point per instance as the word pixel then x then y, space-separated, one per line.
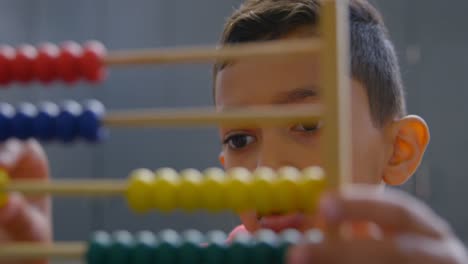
pixel 47 62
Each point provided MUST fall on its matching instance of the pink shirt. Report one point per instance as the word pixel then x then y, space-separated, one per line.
pixel 236 231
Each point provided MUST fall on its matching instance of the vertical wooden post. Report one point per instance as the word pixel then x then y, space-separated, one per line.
pixel 335 69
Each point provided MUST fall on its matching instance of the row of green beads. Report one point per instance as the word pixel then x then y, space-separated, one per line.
pixel 169 247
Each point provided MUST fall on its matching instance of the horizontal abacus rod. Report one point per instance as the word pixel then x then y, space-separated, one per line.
pixel 25 251
pixel 264 190
pixel 206 54
pixel 69 187
pixel 253 116
pixel 71 120
pixel 70 61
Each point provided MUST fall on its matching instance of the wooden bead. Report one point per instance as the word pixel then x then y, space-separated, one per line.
pixel 91 62
pixel 44 66
pixel 23 122
pixel 7 55
pixel 287 190
pixel 7 113
pixel 190 250
pixel 212 190
pixel 188 193
pixel 99 248
pixel 139 191
pixel 215 251
pixel 165 189
pixel 240 251
pixel 263 191
pixel 4 180
pixel 122 248
pixel 167 250
pixel 145 248
pixel 266 244
pixel 311 186
pixel 238 190
pixel 21 66
pixel 68 68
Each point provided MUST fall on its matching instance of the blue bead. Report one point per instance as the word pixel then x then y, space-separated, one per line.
pixel 22 122
pixel 44 123
pixel 90 125
pixel 7 112
pixel 67 125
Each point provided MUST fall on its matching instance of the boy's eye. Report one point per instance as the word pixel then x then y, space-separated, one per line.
pixel 239 141
pixel 307 127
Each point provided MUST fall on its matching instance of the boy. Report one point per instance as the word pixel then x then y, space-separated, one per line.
pixel 387 145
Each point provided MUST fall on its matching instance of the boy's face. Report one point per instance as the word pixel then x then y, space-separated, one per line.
pixel 290 81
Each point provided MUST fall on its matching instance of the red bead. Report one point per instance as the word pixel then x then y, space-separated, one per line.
pixel 21 67
pixel 68 67
pixel 7 54
pixel 45 65
pixel 91 63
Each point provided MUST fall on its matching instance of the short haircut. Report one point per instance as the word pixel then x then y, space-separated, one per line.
pixel 373 59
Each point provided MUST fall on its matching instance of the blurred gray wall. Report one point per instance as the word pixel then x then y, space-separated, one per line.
pixel 431 40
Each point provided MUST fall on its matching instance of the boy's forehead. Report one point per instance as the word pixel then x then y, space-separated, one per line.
pixel 266 81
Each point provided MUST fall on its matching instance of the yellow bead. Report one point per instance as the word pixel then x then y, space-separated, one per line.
pixel 312 185
pixel 238 186
pixel 213 189
pixel 4 180
pixel 263 191
pixel 287 189
pixel 139 190
pixel 188 193
pixel 165 189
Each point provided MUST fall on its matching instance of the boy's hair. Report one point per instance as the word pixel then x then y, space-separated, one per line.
pixel 373 59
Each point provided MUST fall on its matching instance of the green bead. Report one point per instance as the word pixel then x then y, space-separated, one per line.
pixel 215 251
pixel 122 248
pixel 287 238
pixel 265 247
pixel 169 243
pixel 313 236
pixel 145 248
pixel 240 250
pixel 98 249
pixel 190 251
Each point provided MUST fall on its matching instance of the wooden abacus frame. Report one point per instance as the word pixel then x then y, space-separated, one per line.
pixel 335 63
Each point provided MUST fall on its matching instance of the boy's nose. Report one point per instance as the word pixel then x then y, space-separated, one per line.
pixel 274 152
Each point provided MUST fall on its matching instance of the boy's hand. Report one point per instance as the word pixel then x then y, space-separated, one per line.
pixel 409 231
pixel 24 219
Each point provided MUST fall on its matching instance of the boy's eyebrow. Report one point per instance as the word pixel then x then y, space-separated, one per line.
pixel 295 95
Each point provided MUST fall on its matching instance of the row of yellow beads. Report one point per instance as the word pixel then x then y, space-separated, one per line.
pixel 263 190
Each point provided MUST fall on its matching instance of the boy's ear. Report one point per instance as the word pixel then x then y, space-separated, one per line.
pixel 221 158
pixel 410 136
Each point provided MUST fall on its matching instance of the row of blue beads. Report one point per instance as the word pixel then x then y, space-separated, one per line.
pixel 66 122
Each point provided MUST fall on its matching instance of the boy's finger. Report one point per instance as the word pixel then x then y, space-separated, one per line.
pixel 10 152
pixel 367 251
pixel 19 221
pixel 391 210
pixel 26 160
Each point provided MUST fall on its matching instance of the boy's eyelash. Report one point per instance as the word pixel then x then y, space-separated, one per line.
pixel 231 136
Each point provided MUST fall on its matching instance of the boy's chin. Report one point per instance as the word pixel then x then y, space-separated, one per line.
pixel 280 222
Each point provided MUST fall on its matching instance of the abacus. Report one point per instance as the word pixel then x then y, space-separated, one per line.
pixel 166 189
